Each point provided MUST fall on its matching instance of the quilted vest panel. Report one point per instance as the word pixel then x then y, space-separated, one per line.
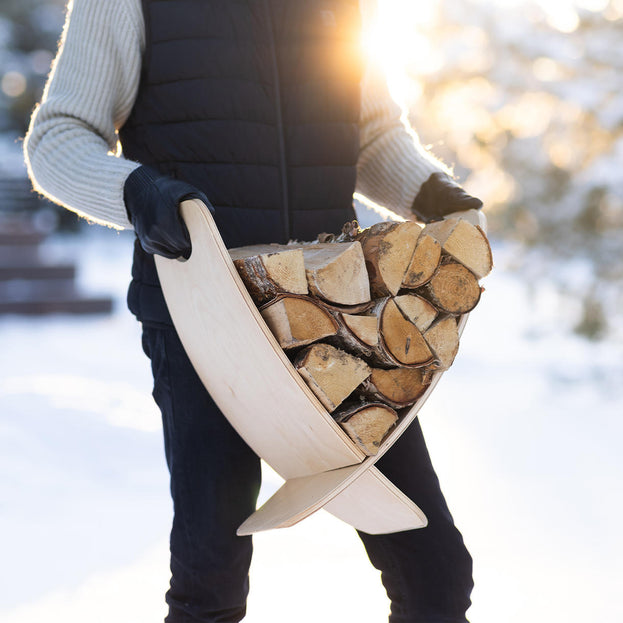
pixel 256 103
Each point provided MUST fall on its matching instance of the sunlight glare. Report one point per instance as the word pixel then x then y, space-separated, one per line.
pixel 597 6
pixel 396 41
pixel 562 16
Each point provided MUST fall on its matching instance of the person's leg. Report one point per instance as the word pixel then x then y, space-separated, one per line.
pixel 427 573
pixel 215 480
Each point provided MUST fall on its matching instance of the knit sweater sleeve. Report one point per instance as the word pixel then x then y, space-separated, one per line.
pixel 71 148
pixel 392 164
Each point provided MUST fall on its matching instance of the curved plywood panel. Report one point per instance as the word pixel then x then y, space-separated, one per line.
pixel 240 362
pixel 265 399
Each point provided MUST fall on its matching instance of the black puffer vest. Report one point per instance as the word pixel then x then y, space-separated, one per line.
pixel 256 103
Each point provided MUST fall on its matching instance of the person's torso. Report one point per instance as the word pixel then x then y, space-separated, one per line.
pixel 256 103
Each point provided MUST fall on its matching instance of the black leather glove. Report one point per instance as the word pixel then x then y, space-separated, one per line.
pixel 152 202
pixel 439 196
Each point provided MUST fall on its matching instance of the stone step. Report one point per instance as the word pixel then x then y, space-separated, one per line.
pixel 34 271
pixel 43 306
pixel 26 289
pixel 49 296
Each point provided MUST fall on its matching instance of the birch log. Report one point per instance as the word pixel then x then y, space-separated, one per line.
pixel 297 320
pixel 269 270
pixel 388 248
pixel 401 341
pixel 416 309
pixel 453 289
pixel 331 373
pixel 367 424
pixel 464 242
pixel 396 387
pixel 443 339
pixel 424 261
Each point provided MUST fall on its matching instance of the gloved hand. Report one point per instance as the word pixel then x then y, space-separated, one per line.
pixel 152 202
pixel 441 196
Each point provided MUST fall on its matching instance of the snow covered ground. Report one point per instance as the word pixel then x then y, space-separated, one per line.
pixel 525 432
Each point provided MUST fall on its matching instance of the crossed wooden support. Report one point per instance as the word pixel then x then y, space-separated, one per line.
pixel 267 402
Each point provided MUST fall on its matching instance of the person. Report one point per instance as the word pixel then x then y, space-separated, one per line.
pixel 266 112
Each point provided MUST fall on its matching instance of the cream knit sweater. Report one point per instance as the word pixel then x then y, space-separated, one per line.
pixel 71 147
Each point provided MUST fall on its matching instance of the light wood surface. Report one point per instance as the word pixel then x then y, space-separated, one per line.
pixel 240 362
pixel 372 504
pixel 268 403
pixel 298 498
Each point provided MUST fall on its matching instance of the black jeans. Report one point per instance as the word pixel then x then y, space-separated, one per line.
pixel 215 480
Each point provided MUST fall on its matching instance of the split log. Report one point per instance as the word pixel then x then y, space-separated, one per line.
pixel 269 270
pixel 367 424
pixel 383 337
pixel 443 339
pixel 416 309
pixel 464 242
pixel 297 320
pixel 453 289
pixel 396 387
pixel 333 272
pixel 359 336
pixel 331 373
pixel 424 261
pixel 364 328
pixel 400 339
pixel 336 272
pixel 388 248
pixel 385 350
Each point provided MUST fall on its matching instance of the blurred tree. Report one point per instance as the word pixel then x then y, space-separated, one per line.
pixel 530 102
pixel 29 34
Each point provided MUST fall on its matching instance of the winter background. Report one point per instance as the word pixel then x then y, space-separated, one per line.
pixel 524 429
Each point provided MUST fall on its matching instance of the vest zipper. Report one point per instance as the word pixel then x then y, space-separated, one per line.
pixel 282 142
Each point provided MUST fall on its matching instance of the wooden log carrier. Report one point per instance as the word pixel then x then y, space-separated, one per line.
pixel 247 372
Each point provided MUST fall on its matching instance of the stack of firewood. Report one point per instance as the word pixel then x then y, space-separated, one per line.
pixel 368 316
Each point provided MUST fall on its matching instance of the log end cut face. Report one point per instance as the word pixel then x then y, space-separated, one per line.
pixel 416 309
pixel 388 249
pixel 331 373
pixel 454 289
pixel 443 338
pixel 465 242
pixel 297 321
pixel 424 261
pixel 337 273
pixel 287 270
pixel 368 425
pixel 364 328
pixel 398 387
pixel 402 338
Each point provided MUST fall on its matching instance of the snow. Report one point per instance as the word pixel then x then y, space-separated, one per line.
pixel 524 431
